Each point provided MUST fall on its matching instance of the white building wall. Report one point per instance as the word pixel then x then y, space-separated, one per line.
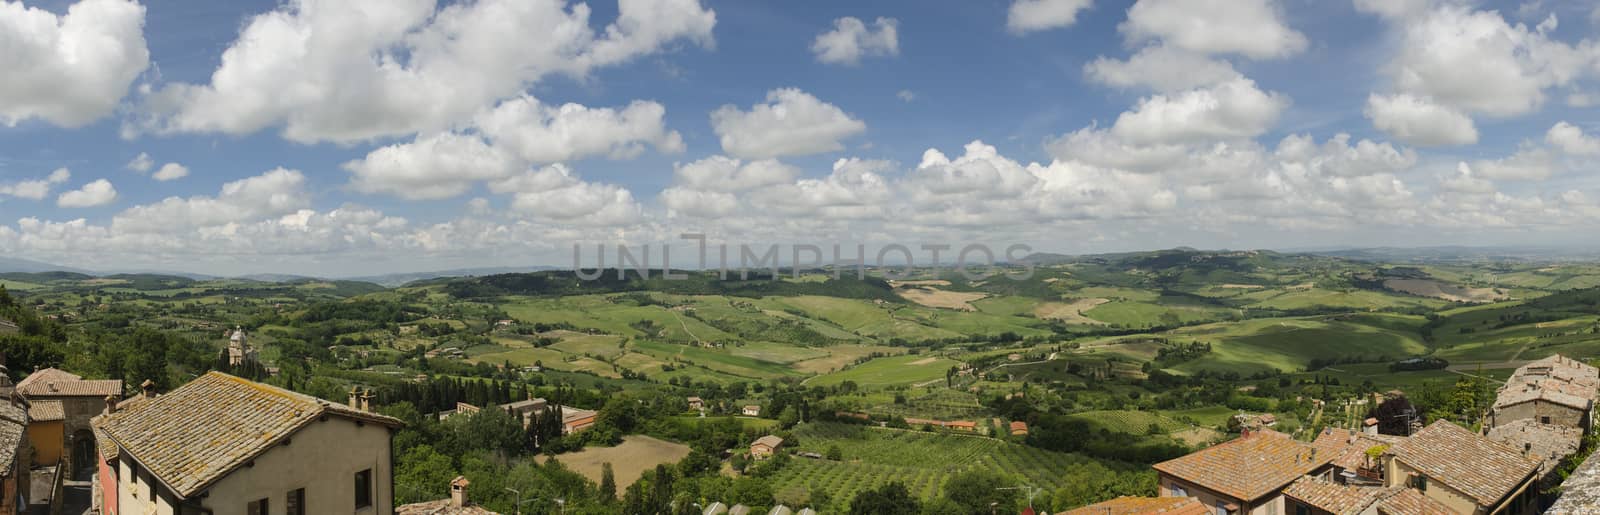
pixel 323 458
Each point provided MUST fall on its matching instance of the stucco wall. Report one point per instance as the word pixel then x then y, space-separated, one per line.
pixel 49 441
pixel 106 487
pixel 323 459
pixel 1398 471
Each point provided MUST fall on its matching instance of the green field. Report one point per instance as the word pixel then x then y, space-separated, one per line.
pixel 890 371
pixel 922 461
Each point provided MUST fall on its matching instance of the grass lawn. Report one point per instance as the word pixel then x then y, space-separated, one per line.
pixel 890 371
pixel 629 460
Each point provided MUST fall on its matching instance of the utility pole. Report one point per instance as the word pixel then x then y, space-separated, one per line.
pixel 1031 491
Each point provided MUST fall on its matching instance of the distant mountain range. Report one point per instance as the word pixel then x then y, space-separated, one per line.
pixel 1443 254
pixel 10 264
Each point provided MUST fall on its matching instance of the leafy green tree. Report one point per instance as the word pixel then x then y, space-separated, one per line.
pixel 975 490
pixel 422 474
pixel 608 482
pixel 889 499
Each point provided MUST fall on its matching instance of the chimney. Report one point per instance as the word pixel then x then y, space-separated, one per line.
pixel 355 397
pixel 366 400
pixel 458 492
pixel 111 404
pixel 149 388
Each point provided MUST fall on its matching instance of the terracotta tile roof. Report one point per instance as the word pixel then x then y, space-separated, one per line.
pixel 1517 391
pixel 202 431
pixel 1483 469
pixel 1348 449
pixel 1333 498
pixel 52 382
pixel 13 423
pixel 441 507
pixel 46 411
pixel 1550 443
pixel 1249 467
pixel 108 447
pixel 1143 506
pixel 1407 501
pixel 769 441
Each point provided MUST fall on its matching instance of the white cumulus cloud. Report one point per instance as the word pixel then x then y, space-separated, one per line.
pixel 97 193
pixel 1026 16
pixel 1233 109
pixel 170 172
pixel 1420 121
pixel 1571 139
pixel 1161 68
pixel 357 70
pixel 791 123
pixel 73 69
pixel 36 189
pixel 517 133
pixel 141 163
pixel 851 39
pixel 1252 28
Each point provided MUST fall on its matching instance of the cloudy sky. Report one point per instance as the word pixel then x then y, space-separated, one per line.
pixel 349 137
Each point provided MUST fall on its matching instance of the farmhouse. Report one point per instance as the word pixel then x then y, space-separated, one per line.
pixel 1554 390
pixel 1019 428
pixel 1463 470
pixel 696 403
pixel 1144 506
pixel 1244 476
pixel 965 426
pixel 752 411
pixel 574 419
pixel 224 445
pixel 765 446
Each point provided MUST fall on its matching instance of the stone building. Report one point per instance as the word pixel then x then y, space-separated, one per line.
pixel 1554 390
pixel 81 399
pixel 1463 470
pixel 1246 475
pixel 222 445
pixel 239 351
pixel 1313 496
pixel 1544 410
pixel 15 463
pixel 765 447
pixel 46 432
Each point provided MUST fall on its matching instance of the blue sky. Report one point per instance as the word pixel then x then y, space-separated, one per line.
pixel 401 137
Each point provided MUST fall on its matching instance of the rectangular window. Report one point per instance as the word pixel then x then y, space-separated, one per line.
pixel 1544 420
pixel 257 507
pixel 364 489
pixel 296 503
